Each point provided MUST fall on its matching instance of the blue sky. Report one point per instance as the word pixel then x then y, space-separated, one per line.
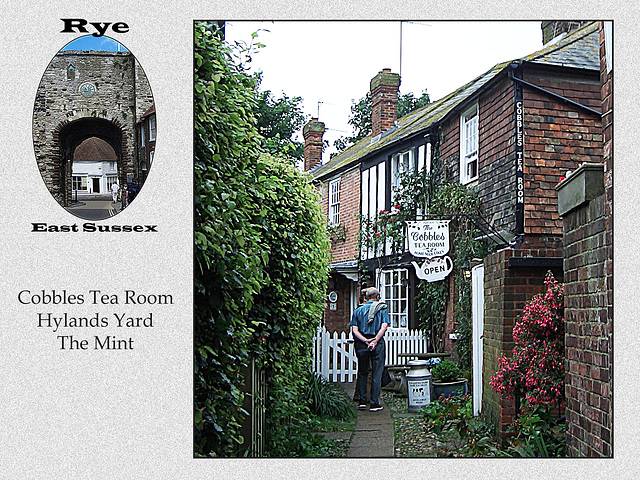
pixel 89 42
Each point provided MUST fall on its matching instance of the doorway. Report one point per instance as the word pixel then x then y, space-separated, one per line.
pixel 477 315
pixel 96 185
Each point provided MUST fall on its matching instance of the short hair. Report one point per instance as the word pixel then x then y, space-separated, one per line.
pixel 371 292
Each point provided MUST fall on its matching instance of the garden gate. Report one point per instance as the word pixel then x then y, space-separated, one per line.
pixel 334 355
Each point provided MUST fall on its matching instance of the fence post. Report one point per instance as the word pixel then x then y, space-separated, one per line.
pixel 324 364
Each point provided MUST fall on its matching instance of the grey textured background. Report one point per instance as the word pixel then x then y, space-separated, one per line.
pixel 68 414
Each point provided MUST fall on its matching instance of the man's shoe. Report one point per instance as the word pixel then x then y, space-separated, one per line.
pixel 375 408
pixel 362 406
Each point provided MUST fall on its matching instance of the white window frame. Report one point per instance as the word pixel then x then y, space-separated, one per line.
pixel 142 134
pixel 469 164
pixel 424 157
pixel 83 182
pixel 396 295
pixel 111 179
pixel 334 202
pixel 152 128
pixel 401 163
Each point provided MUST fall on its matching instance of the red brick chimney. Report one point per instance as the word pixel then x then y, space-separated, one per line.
pixel 384 101
pixel 312 133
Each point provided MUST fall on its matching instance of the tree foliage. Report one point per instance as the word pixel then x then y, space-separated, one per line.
pixel 260 254
pixel 360 118
pixel 278 121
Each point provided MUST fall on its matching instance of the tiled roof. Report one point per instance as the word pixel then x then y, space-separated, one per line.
pixel 150 110
pixel 579 49
pixel 94 149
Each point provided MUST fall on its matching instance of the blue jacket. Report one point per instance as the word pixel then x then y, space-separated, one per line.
pixel 361 320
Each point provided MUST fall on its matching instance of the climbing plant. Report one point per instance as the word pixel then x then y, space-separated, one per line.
pixel 287 310
pixel 228 272
pixel 428 195
pixel 261 253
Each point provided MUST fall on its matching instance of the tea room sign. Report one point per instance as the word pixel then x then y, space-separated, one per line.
pixel 428 238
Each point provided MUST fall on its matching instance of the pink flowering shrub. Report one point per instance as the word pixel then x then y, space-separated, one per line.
pixel 535 372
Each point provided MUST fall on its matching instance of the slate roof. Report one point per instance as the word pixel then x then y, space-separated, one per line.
pixel 94 149
pixel 150 110
pixel 579 49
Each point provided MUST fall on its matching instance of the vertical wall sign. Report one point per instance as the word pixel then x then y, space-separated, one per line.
pixel 519 150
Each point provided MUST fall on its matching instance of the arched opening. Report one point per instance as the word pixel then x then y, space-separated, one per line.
pixel 72 135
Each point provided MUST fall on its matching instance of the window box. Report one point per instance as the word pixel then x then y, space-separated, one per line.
pixel 582 186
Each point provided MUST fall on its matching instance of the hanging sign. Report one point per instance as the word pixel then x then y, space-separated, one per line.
pixel 434 270
pixel 428 238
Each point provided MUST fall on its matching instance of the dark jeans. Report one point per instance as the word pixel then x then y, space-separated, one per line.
pixel 376 358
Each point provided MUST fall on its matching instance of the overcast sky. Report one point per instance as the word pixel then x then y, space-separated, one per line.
pixel 333 62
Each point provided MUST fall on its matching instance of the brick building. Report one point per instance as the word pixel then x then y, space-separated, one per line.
pixel 146 141
pixel 509 135
pixel 586 205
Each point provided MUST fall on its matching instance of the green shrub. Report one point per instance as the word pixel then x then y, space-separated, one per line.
pixel 228 267
pixel 537 433
pixel 261 256
pixel 451 419
pixel 328 399
pixel 446 371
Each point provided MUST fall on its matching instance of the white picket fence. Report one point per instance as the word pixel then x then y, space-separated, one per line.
pixel 334 354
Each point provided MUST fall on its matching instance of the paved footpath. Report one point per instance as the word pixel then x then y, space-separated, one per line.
pixel 373 436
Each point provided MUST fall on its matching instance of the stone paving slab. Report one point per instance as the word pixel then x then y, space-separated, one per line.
pixel 373 436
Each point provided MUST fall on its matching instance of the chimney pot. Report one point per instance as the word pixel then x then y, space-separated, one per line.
pixel 384 101
pixel 312 133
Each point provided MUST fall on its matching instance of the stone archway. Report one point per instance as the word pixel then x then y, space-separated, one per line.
pixel 69 135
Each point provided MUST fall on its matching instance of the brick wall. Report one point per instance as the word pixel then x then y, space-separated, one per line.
pixel 345 250
pixel 558 137
pixel 497 167
pixel 588 332
pixel 506 291
pixel 589 307
pixel 338 319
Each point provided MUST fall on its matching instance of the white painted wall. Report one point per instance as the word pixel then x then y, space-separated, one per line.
pixel 91 170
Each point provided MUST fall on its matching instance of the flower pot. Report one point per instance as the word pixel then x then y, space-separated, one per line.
pixel 450 389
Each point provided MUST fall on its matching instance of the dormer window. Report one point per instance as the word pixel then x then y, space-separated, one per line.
pixel 469 145
pixel 71 72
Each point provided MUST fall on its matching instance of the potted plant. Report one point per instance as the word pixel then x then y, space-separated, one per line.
pixel 447 379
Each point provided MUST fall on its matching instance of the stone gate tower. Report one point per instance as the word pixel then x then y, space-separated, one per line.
pixel 86 94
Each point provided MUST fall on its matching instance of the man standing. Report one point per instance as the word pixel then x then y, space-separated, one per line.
pixel 368 325
pixel 114 191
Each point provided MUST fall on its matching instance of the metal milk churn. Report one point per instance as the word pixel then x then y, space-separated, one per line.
pixel 418 385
